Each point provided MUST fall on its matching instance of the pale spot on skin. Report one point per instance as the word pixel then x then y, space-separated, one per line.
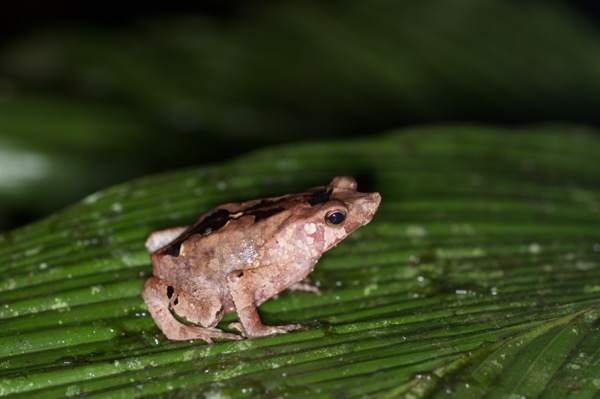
pixel 286 236
pixel 333 236
pixel 214 264
pixel 310 228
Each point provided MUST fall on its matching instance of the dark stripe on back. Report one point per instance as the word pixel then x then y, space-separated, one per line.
pixel 319 197
pixel 264 204
pixel 262 210
pixel 264 213
pixel 212 222
pixel 219 218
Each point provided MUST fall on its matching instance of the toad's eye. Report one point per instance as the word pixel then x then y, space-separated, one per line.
pixel 335 217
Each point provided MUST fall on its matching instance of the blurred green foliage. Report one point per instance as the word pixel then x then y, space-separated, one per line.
pixel 83 106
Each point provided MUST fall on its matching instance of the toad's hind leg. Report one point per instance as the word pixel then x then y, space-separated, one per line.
pixel 162 298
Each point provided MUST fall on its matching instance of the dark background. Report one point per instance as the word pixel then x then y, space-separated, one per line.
pixel 93 94
pixel 22 16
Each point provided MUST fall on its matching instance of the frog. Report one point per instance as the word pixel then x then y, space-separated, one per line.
pixel 238 255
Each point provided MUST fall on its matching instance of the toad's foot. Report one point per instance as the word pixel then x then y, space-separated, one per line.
pixel 183 332
pixel 305 287
pixel 264 330
pixel 176 331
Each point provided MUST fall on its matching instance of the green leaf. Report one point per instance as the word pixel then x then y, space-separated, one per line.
pixel 478 277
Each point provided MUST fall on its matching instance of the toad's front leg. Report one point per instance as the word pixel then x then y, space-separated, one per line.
pixel 244 286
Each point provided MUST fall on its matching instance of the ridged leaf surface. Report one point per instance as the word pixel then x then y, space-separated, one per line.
pixel 478 277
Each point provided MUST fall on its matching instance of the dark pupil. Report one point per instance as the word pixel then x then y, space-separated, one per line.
pixel 336 218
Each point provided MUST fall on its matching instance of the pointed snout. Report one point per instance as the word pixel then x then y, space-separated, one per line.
pixel 368 204
pixel 376 199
